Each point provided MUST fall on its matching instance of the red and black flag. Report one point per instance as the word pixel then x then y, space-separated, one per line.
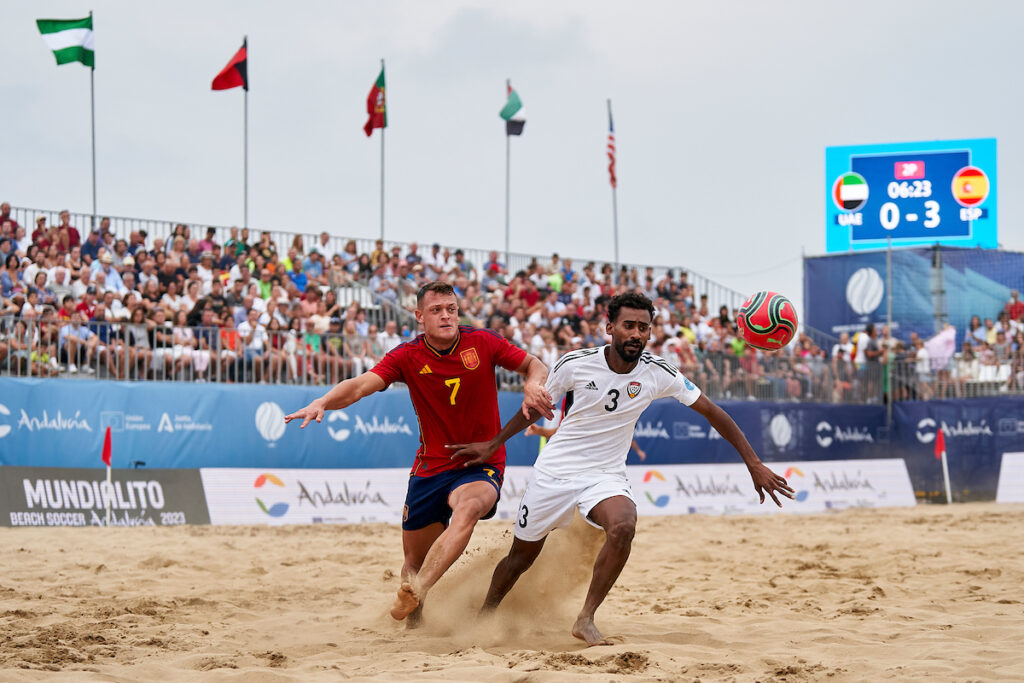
pixel 235 74
pixel 376 106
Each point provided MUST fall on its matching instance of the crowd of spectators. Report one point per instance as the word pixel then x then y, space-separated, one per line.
pixel 189 307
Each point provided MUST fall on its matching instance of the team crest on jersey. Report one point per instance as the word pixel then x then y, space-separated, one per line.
pixel 470 359
pixel 633 389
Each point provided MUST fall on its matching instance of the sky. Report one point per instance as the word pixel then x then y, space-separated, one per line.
pixel 722 113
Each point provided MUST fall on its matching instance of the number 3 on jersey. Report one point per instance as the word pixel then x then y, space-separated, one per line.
pixel 453 384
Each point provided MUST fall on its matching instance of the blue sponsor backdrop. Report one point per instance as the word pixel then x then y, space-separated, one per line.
pixel 842 293
pixel 60 423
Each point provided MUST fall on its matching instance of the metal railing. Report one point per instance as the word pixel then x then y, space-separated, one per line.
pixel 121 227
pixel 46 347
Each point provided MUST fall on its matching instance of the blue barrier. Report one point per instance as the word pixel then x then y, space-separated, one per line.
pixel 60 423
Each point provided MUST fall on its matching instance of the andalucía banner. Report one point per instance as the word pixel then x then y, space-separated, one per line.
pixel 70 39
pixel 376 106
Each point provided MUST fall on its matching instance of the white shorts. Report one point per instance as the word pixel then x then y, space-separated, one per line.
pixel 549 502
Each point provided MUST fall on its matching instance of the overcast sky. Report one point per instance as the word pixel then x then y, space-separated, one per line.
pixel 722 109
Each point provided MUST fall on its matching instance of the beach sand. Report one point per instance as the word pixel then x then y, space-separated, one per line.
pixel 861 595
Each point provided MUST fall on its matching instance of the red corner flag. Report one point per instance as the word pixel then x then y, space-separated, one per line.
pixel 235 74
pixel 106 448
pixel 376 106
pixel 940 445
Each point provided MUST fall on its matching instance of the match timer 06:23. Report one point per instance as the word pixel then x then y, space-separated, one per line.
pixel 918 194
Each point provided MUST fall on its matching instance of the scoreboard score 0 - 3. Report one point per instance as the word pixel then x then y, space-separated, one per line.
pixel 916 193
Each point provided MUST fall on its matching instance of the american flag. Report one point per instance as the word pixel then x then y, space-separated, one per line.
pixel 611 149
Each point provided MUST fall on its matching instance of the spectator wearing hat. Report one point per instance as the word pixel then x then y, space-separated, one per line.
pixel 91 247
pixel 313 267
pixel 111 278
pixel 42 235
pixel 204 271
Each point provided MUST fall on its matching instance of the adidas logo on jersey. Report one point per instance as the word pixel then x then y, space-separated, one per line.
pixel 425 370
pixel 591 385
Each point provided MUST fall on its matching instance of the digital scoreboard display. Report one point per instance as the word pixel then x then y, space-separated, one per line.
pixel 916 193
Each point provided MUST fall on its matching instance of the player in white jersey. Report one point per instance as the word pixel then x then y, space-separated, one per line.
pixel 584 465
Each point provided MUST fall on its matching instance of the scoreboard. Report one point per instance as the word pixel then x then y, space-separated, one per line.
pixel 916 193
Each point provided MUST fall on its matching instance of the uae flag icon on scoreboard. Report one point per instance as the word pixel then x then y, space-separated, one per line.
pixel 850 191
pixel 970 186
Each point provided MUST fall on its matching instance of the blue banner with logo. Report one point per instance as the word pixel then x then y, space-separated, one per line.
pixel 61 423
pixel 976 431
pixel 844 292
pixel 671 433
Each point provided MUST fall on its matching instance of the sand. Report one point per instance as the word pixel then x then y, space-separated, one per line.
pixel 860 595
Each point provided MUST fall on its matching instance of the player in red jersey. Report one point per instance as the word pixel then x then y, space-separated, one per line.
pixel 450 373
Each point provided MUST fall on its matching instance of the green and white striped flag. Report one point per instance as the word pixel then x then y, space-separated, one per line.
pixel 70 39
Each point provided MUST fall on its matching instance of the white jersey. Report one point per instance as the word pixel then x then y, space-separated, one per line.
pixel 602 407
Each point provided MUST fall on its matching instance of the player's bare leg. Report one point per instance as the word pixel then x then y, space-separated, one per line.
pixel 415 545
pixel 469 503
pixel 617 516
pixel 520 558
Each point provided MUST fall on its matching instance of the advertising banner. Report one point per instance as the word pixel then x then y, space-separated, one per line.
pixel 728 489
pixel 844 292
pixel 315 496
pixel 61 423
pixel 1011 479
pixel 58 496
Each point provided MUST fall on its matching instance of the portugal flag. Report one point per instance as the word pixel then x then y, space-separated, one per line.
pixel 236 73
pixel 376 106
pixel 970 186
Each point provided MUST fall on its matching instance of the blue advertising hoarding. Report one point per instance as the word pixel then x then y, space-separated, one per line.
pixel 915 192
pixel 844 292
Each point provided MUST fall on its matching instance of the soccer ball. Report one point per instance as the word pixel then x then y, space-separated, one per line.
pixel 767 321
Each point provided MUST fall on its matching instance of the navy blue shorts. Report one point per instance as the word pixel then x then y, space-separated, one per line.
pixel 427 499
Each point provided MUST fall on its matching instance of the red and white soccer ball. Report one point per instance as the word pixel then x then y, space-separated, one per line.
pixel 767 321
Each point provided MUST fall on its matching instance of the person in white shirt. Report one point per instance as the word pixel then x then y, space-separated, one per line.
pixel 389 338
pixel 584 465
pixel 253 338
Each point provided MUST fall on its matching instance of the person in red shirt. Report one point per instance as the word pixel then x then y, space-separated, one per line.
pixel 1014 307
pixel 449 370
pixel 67 234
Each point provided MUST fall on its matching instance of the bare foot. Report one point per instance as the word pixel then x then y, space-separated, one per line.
pixel 584 629
pixel 405 602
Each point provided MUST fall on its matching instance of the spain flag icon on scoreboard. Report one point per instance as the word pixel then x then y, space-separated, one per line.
pixel 850 191
pixel 970 186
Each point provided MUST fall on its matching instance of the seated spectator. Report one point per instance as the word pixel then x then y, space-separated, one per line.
pixel 77 344
pixel 253 339
pixel 10 277
pixel 91 247
pixel 389 338
pixel 67 235
pixel 313 267
pixel 297 276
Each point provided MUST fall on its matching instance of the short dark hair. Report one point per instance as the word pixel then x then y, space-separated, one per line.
pixel 629 300
pixel 437 287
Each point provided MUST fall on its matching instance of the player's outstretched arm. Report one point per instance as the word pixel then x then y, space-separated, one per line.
pixel 535 396
pixel 340 395
pixel 764 478
pixel 479 452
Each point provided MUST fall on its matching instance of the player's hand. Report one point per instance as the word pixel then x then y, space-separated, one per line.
pixel 766 480
pixel 314 411
pixel 533 430
pixel 474 453
pixel 640 454
pixel 536 397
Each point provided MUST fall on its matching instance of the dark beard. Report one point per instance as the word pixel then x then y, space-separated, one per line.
pixel 628 355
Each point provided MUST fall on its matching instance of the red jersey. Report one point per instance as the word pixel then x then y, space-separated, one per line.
pixel 454 393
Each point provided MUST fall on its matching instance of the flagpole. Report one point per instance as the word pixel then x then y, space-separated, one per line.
pixel 92 107
pixel 615 201
pixel 383 128
pixel 110 492
pixel 508 150
pixel 945 478
pixel 245 142
pixel 888 323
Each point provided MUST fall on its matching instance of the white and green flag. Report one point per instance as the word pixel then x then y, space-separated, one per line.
pixel 70 39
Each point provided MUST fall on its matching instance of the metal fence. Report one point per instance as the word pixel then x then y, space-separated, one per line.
pixel 121 227
pixel 43 346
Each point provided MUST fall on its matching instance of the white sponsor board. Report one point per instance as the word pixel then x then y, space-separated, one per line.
pixel 347 496
pixel 727 489
pixel 1011 479
pixel 286 496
